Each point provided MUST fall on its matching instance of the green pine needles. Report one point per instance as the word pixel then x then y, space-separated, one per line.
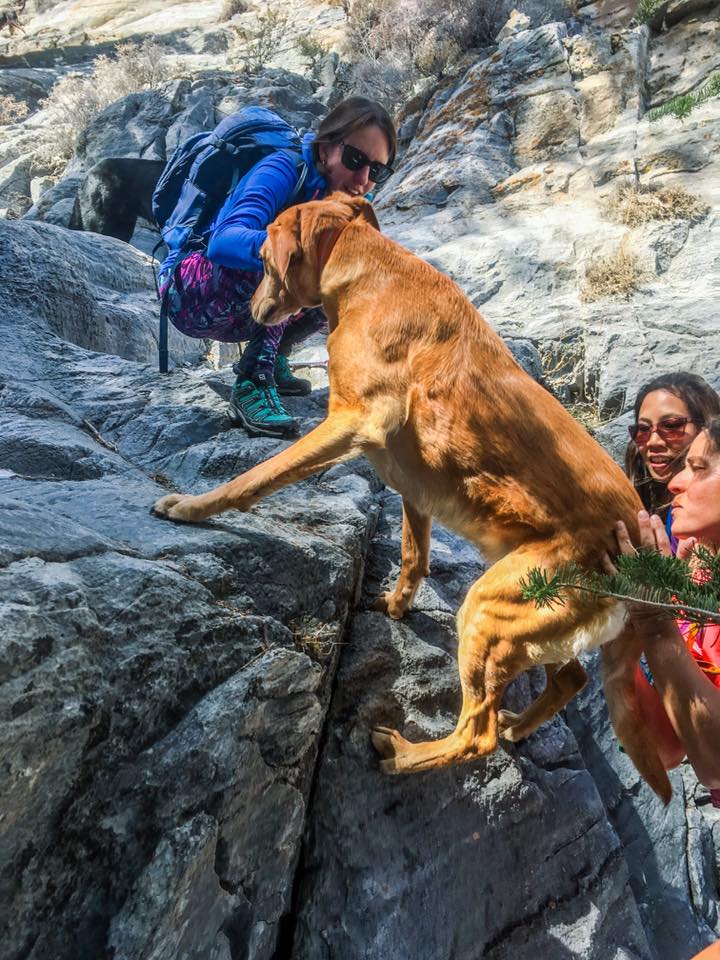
pixel 682 106
pixel 664 583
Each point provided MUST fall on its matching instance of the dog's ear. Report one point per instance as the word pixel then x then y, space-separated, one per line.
pixel 284 246
pixel 363 210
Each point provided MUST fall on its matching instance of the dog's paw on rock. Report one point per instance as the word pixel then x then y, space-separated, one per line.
pixel 179 507
pixel 387 603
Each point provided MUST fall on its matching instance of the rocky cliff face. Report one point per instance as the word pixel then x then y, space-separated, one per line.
pixel 187 764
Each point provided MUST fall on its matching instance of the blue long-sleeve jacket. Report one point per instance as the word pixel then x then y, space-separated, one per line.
pixel 240 227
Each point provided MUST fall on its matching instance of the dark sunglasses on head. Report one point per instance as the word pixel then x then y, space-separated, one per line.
pixel 354 159
pixel 669 428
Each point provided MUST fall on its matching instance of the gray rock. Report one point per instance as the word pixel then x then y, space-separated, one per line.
pixel 670 12
pixel 684 58
pixel 182 873
pixel 26 84
pixel 132 127
pixel 97 292
pixel 15 179
pixel 161 712
pixel 658 852
pixel 528 356
pixel 198 115
pixel 232 877
pixel 65 189
pixel 406 871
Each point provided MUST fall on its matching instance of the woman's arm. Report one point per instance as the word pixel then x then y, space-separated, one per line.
pixel 691 701
pixel 240 227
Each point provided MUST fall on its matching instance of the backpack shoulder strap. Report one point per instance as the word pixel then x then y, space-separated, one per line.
pixel 301 181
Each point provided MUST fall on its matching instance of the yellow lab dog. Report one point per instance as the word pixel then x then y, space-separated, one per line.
pixel 422 386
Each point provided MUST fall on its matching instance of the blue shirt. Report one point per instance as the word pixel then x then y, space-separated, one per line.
pixel 240 227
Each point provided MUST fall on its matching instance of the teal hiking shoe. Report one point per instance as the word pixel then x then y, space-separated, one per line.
pixel 255 405
pixel 288 385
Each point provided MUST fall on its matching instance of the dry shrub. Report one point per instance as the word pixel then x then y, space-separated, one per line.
pixel 315 639
pixel 395 45
pixel 637 205
pixel 616 275
pixel 255 47
pixel 230 8
pixel 76 99
pixel 12 110
pixel 313 49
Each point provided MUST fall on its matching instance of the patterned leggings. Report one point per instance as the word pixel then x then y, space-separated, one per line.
pixel 207 301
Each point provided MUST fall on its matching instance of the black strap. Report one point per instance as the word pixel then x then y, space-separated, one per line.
pixel 154 261
pixel 163 333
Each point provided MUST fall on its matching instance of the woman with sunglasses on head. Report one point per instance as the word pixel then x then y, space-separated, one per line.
pixel 352 151
pixel 678 687
pixel 670 411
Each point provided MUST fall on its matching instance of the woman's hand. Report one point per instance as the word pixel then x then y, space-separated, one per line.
pixel 652 537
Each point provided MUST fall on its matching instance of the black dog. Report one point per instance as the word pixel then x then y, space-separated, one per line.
pixel 115 192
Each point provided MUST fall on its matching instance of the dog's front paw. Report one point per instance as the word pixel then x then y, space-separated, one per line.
pixel 180 507
pixel 389 604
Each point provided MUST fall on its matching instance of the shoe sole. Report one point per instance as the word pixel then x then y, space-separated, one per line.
pixel 238 420
pixel 294 393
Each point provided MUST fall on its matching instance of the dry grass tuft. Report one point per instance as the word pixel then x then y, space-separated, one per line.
pixel 637 205
pixel 617 275
pixel 315 639
pixel 12 110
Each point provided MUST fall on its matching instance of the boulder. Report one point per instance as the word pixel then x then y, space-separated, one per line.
pixel 134 126
pixel 670 12
pixel 198 115
pixel 163 686
pixel 93 291
pixel 26 84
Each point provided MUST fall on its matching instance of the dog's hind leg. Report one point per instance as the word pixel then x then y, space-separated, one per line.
pixel 493 625
pixel 483 680
pixel 416 530
pixel 500 635
pixel 336 438
pixel 563 681
pixel 619 660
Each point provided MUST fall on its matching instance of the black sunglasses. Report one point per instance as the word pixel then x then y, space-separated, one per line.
pixel 669 428
pixel 354 159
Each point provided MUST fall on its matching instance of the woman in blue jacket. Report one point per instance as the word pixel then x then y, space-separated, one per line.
pixel 209 293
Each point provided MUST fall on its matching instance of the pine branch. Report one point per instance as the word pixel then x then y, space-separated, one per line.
pixel 648 579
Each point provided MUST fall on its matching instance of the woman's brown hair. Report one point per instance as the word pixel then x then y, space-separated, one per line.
pixel 703 405
pixel 712 428
pixel 352 114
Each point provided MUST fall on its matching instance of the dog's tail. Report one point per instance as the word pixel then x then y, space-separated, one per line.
pixel 619 661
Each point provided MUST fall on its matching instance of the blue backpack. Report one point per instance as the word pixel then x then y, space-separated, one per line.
pixel 203 171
